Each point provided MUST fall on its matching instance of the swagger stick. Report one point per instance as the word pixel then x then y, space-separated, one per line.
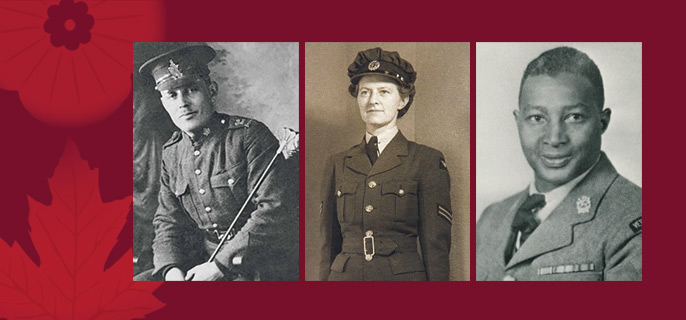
pixel 282 145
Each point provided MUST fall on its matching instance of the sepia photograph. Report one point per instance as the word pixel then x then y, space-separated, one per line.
pixel 387 166
pixel 559 161
pixel 215 161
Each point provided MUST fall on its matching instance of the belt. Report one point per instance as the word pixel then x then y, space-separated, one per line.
pixel 215 234
pixel 371 245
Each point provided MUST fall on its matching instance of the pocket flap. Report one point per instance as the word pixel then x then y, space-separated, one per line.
pixel 399 187
pixel 230 177
pixel 406 262
pixel 338 264
pixel 347 187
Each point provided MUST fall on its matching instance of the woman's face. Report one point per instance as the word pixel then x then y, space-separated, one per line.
pixel 379 100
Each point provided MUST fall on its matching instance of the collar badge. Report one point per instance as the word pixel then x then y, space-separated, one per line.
pixel 583 204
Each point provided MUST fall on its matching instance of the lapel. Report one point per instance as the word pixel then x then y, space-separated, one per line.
pixel 359 162
pixel 558 229
pixel 502 234
pixel 389 157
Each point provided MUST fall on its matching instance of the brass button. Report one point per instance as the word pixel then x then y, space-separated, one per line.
pixel 214 225
pixel 223 121
pixel 369 208
pixel 208 209
pixel 372 184
pixel 198 172
pixel 231 181
pixel 401 192
pixel 196 152
pixel 339 193
pixel 202 191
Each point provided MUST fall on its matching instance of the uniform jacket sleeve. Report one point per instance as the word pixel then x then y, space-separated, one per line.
pixel 330 229
pixel 435 216
pixel 270 232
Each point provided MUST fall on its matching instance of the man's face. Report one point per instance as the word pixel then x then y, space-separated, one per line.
pixel 560 127
pixel 379 101
pixel 189 106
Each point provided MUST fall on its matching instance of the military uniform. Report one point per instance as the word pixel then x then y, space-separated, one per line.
pixel 595 233
pixel 205 183
pixel 372 216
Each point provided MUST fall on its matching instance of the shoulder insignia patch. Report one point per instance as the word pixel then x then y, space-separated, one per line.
pixel 239 122
pixel 442 165
pixel 445 214
pixel 636 225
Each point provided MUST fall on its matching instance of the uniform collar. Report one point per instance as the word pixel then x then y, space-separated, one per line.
pixel 211 128
pixel 579 206
pixel 555 196
pixel 384 138
pixel 359 162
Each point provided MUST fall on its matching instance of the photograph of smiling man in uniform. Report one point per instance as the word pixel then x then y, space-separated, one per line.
pixel 386 212
pixel 227 196
pixel 578 219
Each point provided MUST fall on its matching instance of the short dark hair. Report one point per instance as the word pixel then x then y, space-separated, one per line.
pixel 566 59
pixel 404 90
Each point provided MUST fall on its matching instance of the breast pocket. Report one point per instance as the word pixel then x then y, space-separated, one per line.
pixel 400 199
pixel 345 200
pixel 230 186
pixel 182 192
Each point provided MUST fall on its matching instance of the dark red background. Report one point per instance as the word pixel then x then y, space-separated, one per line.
pixel 32 149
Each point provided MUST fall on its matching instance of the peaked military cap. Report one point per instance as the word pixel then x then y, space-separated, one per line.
pixel 178 67
pixel 386 63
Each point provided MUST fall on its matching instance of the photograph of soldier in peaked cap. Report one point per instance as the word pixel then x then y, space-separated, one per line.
pixel 215 178
pixel 559 193
pixel 380 206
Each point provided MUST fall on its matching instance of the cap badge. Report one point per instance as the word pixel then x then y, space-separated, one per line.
pixel 583 205
pixel 374 65
pixel 174 69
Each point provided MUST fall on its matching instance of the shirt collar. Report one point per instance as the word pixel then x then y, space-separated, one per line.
pixel 555 196
pixel 384 137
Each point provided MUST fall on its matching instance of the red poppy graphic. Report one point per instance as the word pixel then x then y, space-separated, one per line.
pixel 69 24
pixel 71 60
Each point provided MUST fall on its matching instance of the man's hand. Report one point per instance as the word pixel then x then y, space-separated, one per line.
pixel 207 271
pixel 174 274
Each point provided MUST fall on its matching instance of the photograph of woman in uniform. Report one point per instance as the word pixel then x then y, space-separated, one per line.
pixel 386 211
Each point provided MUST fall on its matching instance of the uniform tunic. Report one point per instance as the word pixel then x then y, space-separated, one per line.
pixel 595 233
pixel 403 198
pixel 204 183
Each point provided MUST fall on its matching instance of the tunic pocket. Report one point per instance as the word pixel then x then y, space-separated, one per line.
pixel 345 200
pixel 400 199
pixel 233 179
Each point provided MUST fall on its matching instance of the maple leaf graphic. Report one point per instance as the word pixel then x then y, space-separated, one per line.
pixel 73 236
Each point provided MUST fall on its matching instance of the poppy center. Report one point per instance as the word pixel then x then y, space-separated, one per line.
pixel 69 24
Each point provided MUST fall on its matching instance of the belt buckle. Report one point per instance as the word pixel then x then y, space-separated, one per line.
pixel 368 235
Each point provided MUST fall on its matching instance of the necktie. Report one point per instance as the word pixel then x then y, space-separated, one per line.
pixel 524 222
pixel 373 149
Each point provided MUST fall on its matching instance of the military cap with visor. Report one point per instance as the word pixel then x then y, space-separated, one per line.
pixel 179 67
pixel 377 61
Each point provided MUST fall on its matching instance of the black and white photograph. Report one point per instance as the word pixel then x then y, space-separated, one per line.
pixel 387 161
pixel 215 161
pixel 559 161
